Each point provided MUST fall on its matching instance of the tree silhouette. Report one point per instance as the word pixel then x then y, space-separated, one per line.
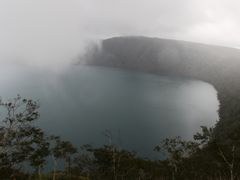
pixel 17 134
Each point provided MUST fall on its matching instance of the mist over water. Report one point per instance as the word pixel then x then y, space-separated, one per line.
pixel 80 102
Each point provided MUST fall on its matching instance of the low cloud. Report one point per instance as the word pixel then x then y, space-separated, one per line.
pixel 53 32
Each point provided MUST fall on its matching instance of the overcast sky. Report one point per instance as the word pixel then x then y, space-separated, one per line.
pixel 43 31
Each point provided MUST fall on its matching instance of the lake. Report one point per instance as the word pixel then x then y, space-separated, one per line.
pixel 80 103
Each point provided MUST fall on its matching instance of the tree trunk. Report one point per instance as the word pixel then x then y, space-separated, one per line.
pixel 69 168
pixel 39 173
pixel 231 174
pixel 173 176
pixel 54 168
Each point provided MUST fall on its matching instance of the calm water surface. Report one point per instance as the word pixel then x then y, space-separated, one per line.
pixel 140 109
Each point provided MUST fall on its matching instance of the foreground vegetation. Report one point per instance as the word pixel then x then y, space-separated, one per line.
pixel 27 152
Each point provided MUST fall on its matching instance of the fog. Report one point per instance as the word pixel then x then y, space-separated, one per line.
pixel 52 33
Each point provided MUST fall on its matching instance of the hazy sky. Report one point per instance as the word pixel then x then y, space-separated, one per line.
pixel 44 31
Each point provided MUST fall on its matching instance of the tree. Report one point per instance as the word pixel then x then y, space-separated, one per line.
pixel 17 133
pixel 63 150
pixel 224 147
pixel 176 150
pixel 40 150
pixel 85 162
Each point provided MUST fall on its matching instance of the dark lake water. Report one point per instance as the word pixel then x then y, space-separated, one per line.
pixel 80 103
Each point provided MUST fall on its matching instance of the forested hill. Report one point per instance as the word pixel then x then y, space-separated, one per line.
pixel 217 65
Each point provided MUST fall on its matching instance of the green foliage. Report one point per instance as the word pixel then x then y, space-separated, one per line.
pixel 112 162
pixel 212 154
pixel 18 136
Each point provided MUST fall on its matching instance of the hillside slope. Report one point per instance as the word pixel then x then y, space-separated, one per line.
pixel 214 64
